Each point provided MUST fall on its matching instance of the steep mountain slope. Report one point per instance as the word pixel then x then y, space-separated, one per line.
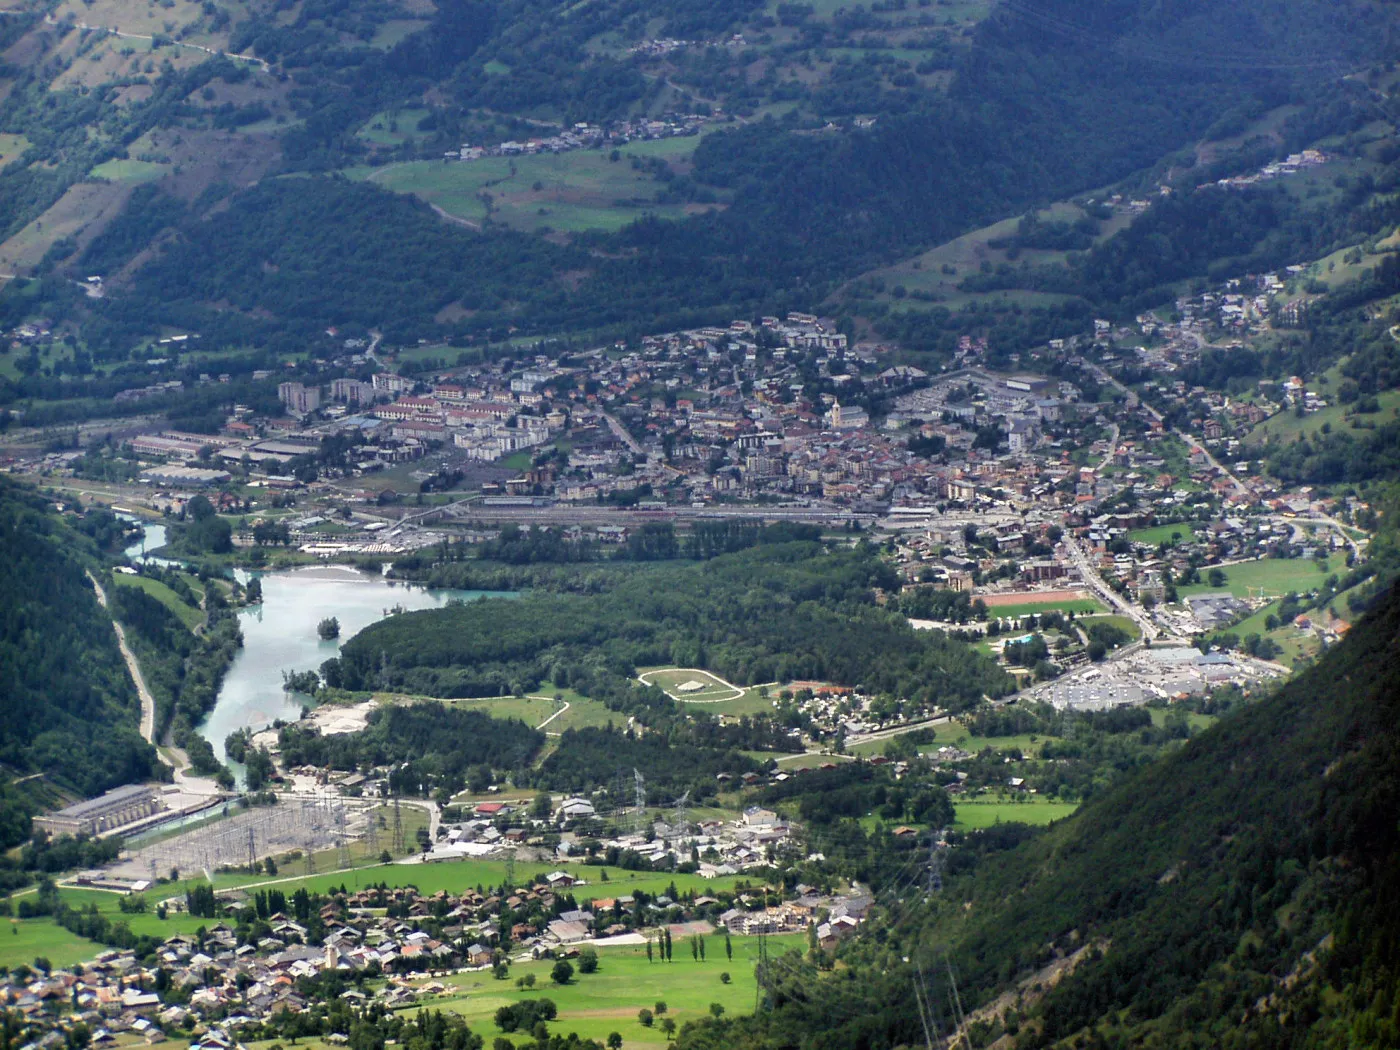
pixel 1240 893
pixel 1040 100
pixel 68 708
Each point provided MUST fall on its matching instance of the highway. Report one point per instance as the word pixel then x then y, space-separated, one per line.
pixel 1107 594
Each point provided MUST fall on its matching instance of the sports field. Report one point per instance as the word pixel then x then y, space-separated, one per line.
pixel 1016 605
pixel 1276 577
pixel 690 685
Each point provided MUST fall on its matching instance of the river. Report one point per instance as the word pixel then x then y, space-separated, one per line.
pixel 152 539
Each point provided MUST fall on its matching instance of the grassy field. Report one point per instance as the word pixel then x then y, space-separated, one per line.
pixel 84 207
pixel 593 1005
pixel 1180 531
pixel 801 760
pixel 533 709
pixel 1028 810
pixel 1079 606
pixel 938 272
pixel 749 702
pixel 43 936
pixel 190 617
pixel 12 147
pixel 1285 427
pixel 1123 623
pixel 129 171
pixel 29 938
pixel 459 876
pixel 579 190
pixel 1276 576
pixel 1197 721
pixel 955 734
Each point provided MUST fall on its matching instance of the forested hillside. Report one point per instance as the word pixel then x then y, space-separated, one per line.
pixel 834 142
pixel 1241 892
pixel 68 708
pixel 776 613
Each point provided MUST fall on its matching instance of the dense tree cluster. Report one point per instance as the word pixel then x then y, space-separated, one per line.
pixel 432 745
pixel 773 613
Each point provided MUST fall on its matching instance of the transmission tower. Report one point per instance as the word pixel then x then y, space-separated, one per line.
pixel 619 796
pixel 342 841
pixel 639 784
pixel 760 972
pixel 935 865
pixel 682 818
pixel 310 852
pixel 252 850
pixel 398 825
pixel 372 833
pixel 509 883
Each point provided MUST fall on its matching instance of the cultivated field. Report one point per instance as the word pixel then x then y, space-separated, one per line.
pixel 596 1004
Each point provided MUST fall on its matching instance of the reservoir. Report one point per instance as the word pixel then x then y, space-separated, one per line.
pixel 280 635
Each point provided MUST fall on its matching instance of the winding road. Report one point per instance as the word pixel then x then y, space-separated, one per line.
pixel 148 702
pixel 260 63
pixel 177 758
